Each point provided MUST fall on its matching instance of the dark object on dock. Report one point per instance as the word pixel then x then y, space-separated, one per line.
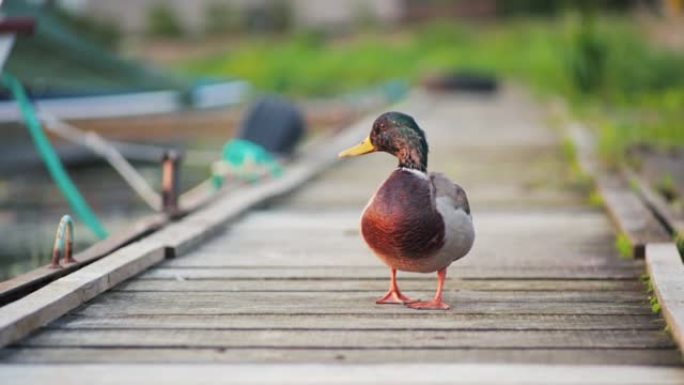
pixel 461 81
pixel 274 124
pixel 17 25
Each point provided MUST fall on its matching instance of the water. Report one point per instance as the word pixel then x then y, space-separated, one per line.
pixel 31 207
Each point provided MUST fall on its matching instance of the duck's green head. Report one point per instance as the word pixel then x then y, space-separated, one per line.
pixel 398 134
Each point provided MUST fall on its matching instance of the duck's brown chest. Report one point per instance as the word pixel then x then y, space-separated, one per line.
pixel 401 221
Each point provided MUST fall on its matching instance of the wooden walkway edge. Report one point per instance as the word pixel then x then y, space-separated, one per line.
pixel 666 271
pixel 639 217
pixel 629 213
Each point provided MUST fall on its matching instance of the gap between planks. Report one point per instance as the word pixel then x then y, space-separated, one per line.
pixel 624 357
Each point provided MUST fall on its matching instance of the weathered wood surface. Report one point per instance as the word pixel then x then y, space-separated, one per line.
pixel 672 222
pixel 294 283
pixel 667 278
pixel 21 317
pixel 629 213
pixel 303 338
pixel 365 321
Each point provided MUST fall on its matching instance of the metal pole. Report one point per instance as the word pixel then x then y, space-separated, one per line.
pixel 170 181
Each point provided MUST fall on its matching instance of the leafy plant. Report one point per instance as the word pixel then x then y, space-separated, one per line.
pixel 587 59
pixel 163 22
pixel 655 304
pixel 667 188
pixel 220 18
pixel 624 246
pixel 679 240
pixel 100 31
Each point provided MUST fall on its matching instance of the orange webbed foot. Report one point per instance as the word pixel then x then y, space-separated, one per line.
pixel 394 298
pixel 428 305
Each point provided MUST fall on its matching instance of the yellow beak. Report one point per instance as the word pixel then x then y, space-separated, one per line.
pixel 364 147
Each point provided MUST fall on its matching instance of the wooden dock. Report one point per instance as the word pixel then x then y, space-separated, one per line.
pixel 292 282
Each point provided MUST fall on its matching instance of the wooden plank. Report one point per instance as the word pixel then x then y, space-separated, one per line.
pixel 500 239
pixel 584 221
pixel 379 273
pixel 357 339
pixel 510 196
pixel 249 285
pixel 21 317
pixel 342 374
pixel 140 356
pixel 403 321
pixel 297 255
pixel 673 223
pixel 120 303
pixel 666 271
pixel 161 299
pixel 283 225
pixel 631 216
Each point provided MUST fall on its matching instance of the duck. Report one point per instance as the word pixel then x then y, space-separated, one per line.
pixel 416 221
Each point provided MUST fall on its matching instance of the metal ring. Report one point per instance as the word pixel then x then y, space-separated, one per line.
pixel 63 247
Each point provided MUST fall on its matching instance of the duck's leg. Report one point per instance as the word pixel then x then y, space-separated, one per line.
pixel 436 303
pixel 394 296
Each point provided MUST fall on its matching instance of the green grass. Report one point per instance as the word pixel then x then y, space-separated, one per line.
pixel 614 80
pixel 679 240
pixel 655 305
pixel 652 298
pixel 308 64
pixel 624 246
pixel 667 188
pixel 595 199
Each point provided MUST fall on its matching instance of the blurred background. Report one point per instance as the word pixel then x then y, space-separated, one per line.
pixel 188 70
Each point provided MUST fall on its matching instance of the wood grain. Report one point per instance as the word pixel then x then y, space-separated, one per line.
pixel 353 339
pixel 285 285
pixel 534 272
pixel 367 321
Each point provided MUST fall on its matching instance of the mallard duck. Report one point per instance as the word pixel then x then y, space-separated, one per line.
pixel 416 221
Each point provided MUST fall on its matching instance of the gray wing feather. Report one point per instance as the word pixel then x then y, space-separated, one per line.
pixel 445 187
